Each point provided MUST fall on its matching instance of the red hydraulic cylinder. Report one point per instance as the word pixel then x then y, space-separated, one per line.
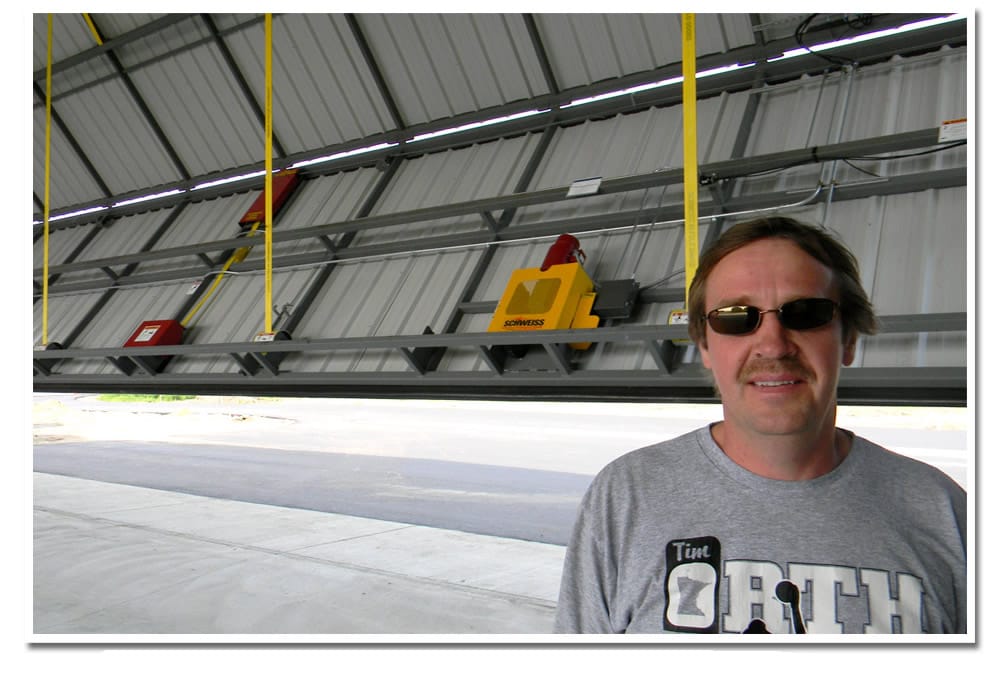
pixel 565 250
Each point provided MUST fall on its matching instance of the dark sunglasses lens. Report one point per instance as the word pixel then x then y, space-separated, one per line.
pixel 806 314
pixel 734 320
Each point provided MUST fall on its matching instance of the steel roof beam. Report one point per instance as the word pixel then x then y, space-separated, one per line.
pixel 376 72
pixel 899 324
pixel 934 386
pixel 540 53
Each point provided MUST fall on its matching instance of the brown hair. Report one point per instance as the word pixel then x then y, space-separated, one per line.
pixel 856 310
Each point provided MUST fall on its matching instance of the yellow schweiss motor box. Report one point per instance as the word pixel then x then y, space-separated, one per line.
pixel 557 298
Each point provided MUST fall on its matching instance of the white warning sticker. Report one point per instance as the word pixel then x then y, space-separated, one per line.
pixel 147 333
pixel 953 130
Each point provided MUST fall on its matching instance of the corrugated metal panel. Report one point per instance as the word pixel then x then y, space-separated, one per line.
pixel 922 92
pixel 119 143
pixel 61 245
pixel 196 102
pixel 400 295
pixel 481 171
pixel 903 95
pixel 65 313
pixel 630 145
pixel 126 235
pixel 201 222
pixel 441 65
pixel 323 93
pixel 589 48
pixel 913 251
pixel 908 94
pixel 69 180
pixel 319 201
pixel 168 41
pixel 733 30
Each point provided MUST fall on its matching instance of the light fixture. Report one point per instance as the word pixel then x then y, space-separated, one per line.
pixel 478 124
pixel 341 155
pixel 874 35
pixel 147 198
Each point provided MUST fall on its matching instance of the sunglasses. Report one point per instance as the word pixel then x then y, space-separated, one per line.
pixel 801 314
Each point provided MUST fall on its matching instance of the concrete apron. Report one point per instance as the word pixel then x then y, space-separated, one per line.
pixel 115 559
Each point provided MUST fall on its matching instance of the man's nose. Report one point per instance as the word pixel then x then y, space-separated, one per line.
pixel 771 338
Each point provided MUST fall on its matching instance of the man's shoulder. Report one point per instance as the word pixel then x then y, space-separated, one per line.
pixel 650 472
pixel 903 469
pixel 664 454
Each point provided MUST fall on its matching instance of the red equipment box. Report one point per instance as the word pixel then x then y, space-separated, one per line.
pixel 152 333
pixel 156 333
pixel 282 185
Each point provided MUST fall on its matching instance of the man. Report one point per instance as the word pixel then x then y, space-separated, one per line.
pixel 773 520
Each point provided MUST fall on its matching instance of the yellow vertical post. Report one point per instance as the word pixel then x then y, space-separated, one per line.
pixel 268 171
pixel 48 162
pixel 93 29
pixel 690 107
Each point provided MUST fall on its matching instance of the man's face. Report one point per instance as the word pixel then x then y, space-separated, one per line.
pixel 774 380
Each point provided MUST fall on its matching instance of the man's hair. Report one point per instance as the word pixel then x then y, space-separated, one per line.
pixel 857 315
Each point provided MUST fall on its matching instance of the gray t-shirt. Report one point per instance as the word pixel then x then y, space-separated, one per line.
pixel 676 537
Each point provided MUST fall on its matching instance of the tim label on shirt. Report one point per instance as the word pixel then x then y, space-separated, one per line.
pixel 764 597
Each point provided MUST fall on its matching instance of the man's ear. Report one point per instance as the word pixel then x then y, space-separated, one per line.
pixel 703 352
pixel 850 346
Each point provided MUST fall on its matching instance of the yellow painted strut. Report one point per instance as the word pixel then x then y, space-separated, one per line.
pixel 93 29
pixel 237 256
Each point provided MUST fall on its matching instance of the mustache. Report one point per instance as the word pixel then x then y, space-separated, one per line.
pixel 775 366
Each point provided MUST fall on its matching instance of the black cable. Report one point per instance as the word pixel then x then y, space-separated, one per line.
pixel 800 32
pixel 951 145
pixel 858 168
pixel 817 159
